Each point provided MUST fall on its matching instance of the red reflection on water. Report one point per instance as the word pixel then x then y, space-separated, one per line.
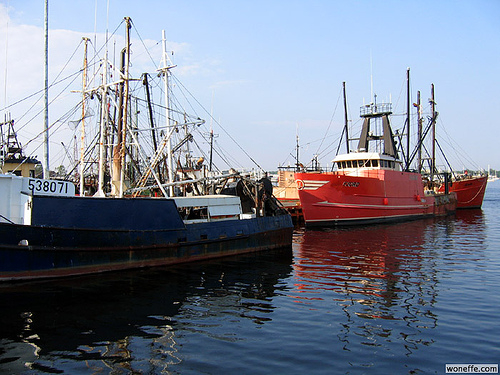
pixel 364 261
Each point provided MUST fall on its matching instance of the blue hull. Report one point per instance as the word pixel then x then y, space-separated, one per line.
pixel 71 236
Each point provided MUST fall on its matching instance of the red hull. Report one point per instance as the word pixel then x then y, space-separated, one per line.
pixel 369 195
pixel 470 191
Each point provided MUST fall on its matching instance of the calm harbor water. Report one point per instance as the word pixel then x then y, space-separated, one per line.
pixel 388 299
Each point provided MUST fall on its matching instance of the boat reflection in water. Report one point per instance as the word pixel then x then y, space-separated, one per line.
pixel 349 300
pixel 381 283
pixel 362 266
pixel 130 321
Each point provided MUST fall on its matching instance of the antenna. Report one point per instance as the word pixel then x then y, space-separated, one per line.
pixel 297 149
pixel 371 75
pixel 6 61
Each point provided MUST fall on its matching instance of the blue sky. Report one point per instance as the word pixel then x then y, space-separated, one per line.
pixel 270 69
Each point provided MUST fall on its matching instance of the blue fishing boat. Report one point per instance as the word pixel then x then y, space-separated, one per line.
pixel 48 235
pixel 141 207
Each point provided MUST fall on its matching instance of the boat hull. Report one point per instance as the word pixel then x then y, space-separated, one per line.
pixel 155 236
pixel 470 191
pixel 367 196
pixel 93 251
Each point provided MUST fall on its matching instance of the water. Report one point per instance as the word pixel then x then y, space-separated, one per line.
pixel 390 299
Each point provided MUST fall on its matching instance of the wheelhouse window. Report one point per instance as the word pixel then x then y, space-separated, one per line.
pixel 373 163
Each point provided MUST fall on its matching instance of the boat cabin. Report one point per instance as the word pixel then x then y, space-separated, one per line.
pixel 197 209
pixel 372 160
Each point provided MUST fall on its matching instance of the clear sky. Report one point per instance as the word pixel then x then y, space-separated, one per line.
pixel 268 69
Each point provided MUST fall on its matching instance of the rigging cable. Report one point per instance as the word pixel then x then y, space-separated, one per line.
pixel 69 113
pixel 223 129
pixel 144 45
pixel 460 156
pixel 52 101
pixel 175 102
pixel 331 121
pixel 38 92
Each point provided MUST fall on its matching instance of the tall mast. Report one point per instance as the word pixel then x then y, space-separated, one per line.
pixel 119 149
pixel 125 108
pixel 151 117
pixel 408 119
pixel 103 122
pixel 346 123
pixel 104 114
pixel 211 149
pixel 211 134
pixel 433 106
pixel 419 123
pixel 82 139
pixel 166 75
pixel 46 96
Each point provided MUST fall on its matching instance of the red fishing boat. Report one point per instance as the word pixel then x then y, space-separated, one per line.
pixel 469 189
pixel 371 194
pixel 370 184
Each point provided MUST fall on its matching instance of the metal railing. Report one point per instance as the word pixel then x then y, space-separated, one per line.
pixel 375 109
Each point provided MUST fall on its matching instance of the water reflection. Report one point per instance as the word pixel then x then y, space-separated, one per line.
pixel 385 278
pixel 130 321
pixel 345 301
pixel 361 263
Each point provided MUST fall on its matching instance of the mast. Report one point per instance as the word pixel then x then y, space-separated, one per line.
pixel 433 106
pixel 151 117
pixel 3 144
pixel 166 73
pixel 118 120
pixel 125 108
pixel 119 149
pixel 408 119
pixel 297 147
pixel 104 114
pixel 211 149
pixel 346 123
pixel 419 123
pixel 150 110
pixel 103 122
pixel 82 139
pixel 46 96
